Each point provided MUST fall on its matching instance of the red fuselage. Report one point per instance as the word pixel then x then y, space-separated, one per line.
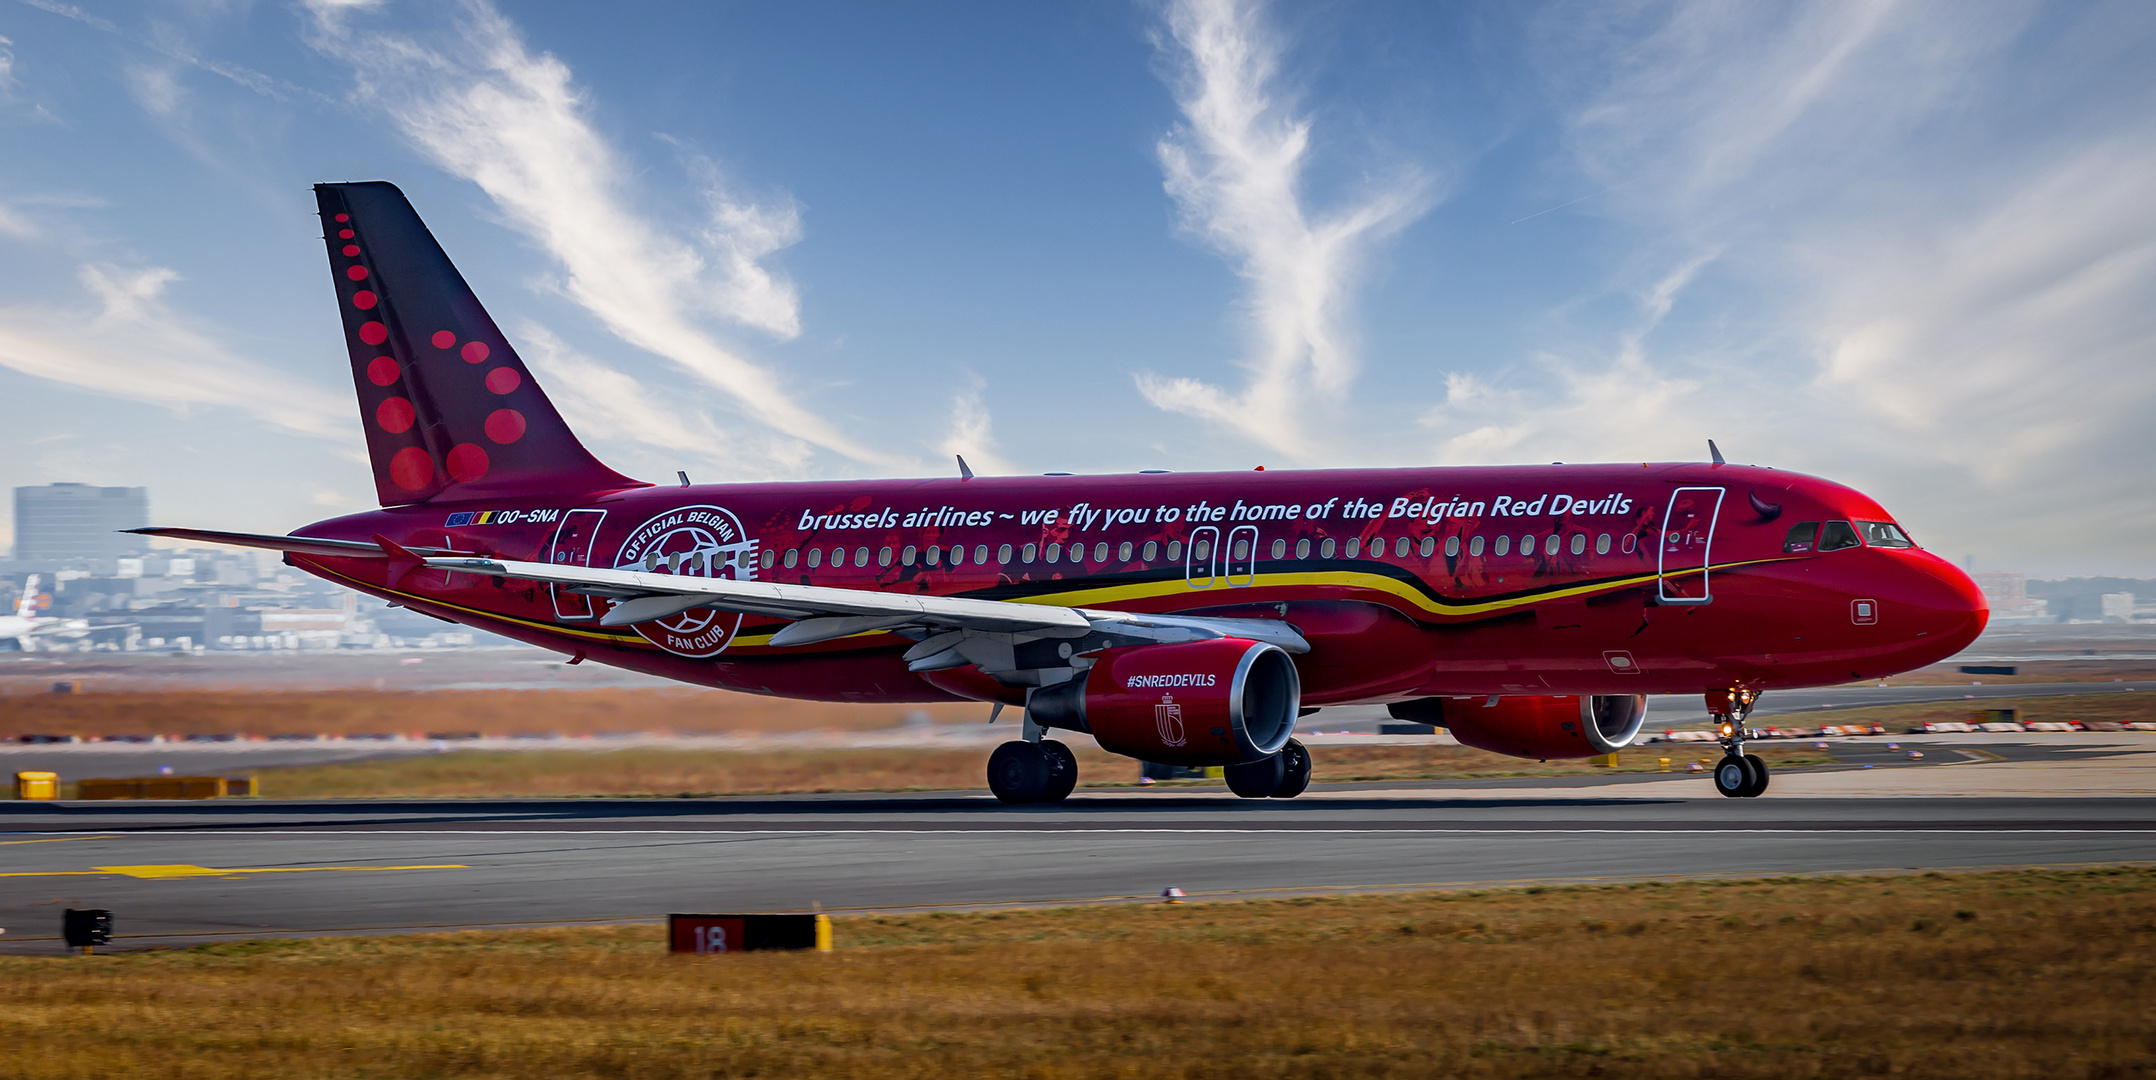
pixel 1407 583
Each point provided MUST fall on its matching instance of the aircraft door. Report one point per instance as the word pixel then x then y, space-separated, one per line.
pixel 1201 558
pixel 1688 544
pixel 1242 555
pixel 572 547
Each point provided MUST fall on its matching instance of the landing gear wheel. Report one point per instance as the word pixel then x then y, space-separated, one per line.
pixel 1063 767
pixel 1295 770
pixel 1256 779
pixel 1759 776
pixel 1733 777
pixel 1019 772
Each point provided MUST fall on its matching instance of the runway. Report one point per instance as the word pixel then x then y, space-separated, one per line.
pixel 177 873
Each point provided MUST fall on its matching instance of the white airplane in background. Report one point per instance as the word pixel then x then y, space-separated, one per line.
pixel 26 624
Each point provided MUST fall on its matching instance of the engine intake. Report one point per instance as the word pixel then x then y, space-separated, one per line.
pixel 1218 702
pixel 1534 727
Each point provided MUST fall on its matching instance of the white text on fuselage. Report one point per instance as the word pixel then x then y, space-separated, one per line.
pixel 1085 517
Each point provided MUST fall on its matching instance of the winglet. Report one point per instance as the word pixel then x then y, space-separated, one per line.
pixel 964 472
pixel 1716 452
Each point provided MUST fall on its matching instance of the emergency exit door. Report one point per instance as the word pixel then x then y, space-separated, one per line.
pixel 572 547
pixel 1688 545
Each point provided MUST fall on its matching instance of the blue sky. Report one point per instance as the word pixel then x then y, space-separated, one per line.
pixel 1908 246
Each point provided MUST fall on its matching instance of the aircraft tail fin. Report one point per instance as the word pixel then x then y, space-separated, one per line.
pixel 27 606
pixel 450 410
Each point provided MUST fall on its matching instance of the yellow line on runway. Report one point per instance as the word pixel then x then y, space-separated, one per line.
pixel 59 839
pixel 183 870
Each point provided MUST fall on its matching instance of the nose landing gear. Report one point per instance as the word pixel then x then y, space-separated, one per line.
pixel 1739 775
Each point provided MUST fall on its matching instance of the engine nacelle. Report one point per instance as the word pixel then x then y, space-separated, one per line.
pixel 1534 727
pixel 1217 702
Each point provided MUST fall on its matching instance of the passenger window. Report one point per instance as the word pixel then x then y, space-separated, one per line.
pixel 1201 551
pixel 1602 544
pixel 980 554
pixel 1026 553
pixel 1354 546
pixel 1377 548
pixel 1003 555
pixel 1474 546
pixel 1527 545
pixel 1100 551
pixel 1630 542
pixel 883 558
pixel 958 554
pixel 1302 548
pixel 1152 549
pixel 935 555
pixel 1504 545
pixel 1055 551
pixel 1280 549
pixel 1428 546
pixel 1579 543
pixel 1452 546
pixel 793 555
pixel 815 558
pixel 1325 550
pixel 1836 535
pixel 770 557
pixel 906 557
pixel 1122 554
pixel 1801 537
pixel 860 556
pixel 1175 550
pixel 1885 534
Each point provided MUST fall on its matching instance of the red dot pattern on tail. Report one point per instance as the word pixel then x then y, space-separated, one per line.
pixel 411 469
pixel 467 462
pixel 503 380
pixel 363 300
pixel 444 338
pixel 475 352
pixel 395 415
pixel 373 333
pixel 505 425
pixel 351 250
pixel 382 370
pixel 356 273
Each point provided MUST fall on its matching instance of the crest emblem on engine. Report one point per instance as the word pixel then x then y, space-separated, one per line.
pixel 1168 716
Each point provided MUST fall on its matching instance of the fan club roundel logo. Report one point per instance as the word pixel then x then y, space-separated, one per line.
pixel 692 541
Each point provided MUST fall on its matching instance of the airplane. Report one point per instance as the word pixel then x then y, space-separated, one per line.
pixel 25 626
pixel 1187 618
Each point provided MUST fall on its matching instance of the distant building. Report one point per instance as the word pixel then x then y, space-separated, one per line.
pixel 2011 604
pixel 79 526
pixel 2119 607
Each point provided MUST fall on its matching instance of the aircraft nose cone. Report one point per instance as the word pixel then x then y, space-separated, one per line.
pixel 1948 609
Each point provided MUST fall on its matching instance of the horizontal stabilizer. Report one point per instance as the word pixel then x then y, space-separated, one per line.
pixel 298 545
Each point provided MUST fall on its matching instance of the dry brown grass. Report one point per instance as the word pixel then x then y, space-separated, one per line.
pixel 489 712
pixel 671 772
pixel 1969 977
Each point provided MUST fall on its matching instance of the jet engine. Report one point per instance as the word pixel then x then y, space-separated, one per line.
pixel 1534 727
pixel 1218 702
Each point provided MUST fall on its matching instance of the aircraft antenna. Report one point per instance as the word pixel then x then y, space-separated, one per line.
pixel 1715 452
pixel 965 472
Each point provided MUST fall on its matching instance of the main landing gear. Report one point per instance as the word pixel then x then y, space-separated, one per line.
pixel 1738 775
pixel 1032 772
pixel 1282 776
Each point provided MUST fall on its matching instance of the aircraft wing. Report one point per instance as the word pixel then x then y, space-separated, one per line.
pixel 954 630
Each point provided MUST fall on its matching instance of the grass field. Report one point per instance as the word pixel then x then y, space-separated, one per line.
pixel 2036 974
pixel 667 772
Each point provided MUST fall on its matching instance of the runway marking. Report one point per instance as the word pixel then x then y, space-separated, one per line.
pixel 58 839
pixel 183 870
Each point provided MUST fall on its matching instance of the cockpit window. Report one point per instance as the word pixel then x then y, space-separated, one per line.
pixel 1801 536
pixel 1884 534
pixel 1836 535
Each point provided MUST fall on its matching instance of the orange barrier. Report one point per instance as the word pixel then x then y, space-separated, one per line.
pixel 164 787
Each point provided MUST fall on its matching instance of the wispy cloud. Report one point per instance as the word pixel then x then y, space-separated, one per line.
pixel 1235 168
pixel 599 399
pixel 134 345
pixel 1930 298
pixel 971 433
pixel 487 109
